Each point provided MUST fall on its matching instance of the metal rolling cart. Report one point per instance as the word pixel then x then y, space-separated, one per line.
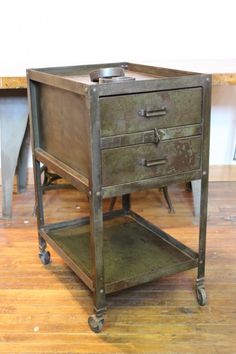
pixel 110 130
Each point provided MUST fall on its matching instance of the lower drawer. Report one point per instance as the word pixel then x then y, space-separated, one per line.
pixel 138 162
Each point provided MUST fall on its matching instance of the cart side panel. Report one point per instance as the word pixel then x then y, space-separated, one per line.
pixel 64 127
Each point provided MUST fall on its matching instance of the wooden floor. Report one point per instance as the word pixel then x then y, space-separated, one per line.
pixel 44 309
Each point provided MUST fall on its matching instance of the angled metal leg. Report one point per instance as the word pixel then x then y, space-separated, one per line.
pixel 112 203
pixel 168 200
pixel 125 202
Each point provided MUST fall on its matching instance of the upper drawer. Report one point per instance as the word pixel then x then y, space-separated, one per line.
pixel 144 111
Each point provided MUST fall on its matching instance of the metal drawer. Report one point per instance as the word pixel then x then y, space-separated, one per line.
pixel 144 111
pixel 144 161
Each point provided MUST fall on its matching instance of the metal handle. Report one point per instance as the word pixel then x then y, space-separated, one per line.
pixel 153 113
pixel 151 163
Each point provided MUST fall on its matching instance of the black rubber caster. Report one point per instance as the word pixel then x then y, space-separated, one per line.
pixel 201 296
pixel 96 323
pixel 45 257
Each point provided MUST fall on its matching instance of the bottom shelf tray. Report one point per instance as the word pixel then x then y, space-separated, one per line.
pixel 132 253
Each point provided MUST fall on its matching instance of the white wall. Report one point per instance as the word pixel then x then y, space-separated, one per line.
pixel 35 33
pixel 39 33
pixel 223 125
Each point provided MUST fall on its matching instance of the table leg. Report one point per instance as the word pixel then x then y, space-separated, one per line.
pixel 196 191
pixel 14 116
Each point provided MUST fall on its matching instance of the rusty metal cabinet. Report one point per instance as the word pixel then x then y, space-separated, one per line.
pixel 114 138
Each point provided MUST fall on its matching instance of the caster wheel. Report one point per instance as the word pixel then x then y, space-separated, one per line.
pixel 201 296
pixel 45 257
pixel 95 323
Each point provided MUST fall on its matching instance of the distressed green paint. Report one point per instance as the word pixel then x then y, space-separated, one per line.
pixel 100 137
pixel 126 164
pixel 150 136
pixel 120 114
pixel 130 250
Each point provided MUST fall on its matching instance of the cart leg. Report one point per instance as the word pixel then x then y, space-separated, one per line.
pixel 43 254
pixel 200 287
pixel 96 321
pixel 126 202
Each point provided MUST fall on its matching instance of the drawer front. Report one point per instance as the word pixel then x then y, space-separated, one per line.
pixel 143 161
pixel 133 113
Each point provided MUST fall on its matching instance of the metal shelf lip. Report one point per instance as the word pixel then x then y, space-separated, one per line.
pixel 133 254
pixel 81 221
pixel 160 233
pixel 78 271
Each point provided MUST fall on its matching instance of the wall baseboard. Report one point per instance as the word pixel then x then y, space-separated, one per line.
pixel 223 173
pixel 217 173
pixel 30 175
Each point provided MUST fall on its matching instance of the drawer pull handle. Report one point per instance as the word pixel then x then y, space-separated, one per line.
pixel 151 163
pixel 153 113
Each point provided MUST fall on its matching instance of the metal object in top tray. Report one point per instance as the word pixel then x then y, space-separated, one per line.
pixel 109 75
